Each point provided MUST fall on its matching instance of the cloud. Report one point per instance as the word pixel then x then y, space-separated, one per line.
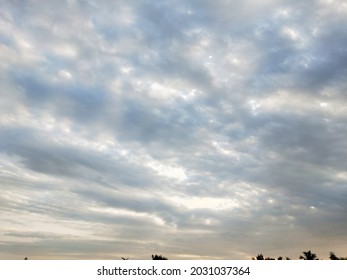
pixel 144 127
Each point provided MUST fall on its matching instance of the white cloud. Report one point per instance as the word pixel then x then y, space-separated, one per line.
pixel 127 123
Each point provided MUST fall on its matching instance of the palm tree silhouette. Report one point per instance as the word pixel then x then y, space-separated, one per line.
pixel 308 255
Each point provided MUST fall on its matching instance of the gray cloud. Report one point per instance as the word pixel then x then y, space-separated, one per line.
pixel 144 127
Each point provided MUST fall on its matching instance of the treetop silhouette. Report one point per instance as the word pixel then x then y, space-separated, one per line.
pixel 308 255
pixel 158 257
pixel 334 257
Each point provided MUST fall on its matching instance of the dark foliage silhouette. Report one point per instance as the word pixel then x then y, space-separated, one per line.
pixel 261 257
pixel 158 257
pixel 332 256
pixel 308 255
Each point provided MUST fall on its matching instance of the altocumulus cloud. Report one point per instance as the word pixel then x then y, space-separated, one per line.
pixel 193 129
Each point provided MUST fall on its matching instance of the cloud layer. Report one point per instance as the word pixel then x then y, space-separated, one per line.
pixel 192 129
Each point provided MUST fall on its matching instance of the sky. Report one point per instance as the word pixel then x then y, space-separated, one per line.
pixel 191 129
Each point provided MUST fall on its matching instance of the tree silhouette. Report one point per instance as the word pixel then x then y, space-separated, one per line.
pixel 308 255
pixel 281 258
pixel 259 257
pixel 158 257
pixel 334 257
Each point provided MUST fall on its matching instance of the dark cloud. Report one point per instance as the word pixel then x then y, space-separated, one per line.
pixel 40 153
